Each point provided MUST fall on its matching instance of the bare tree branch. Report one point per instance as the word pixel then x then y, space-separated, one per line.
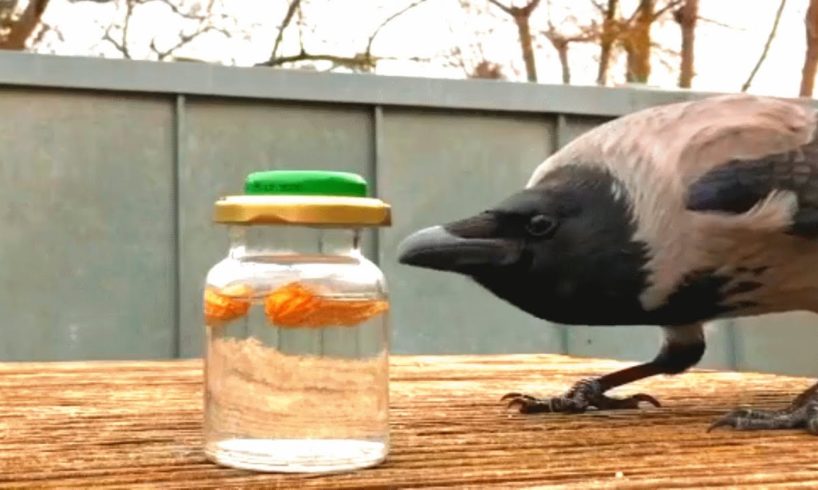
pixel 288 17
pixel 46 29
pixel 205 14
pixel 766 49
pixel 204 26
pixel 665 50
pixel 302 24
pixel 561 44
pixel 531 7
pixel 720 24
pixel 181 13
pixel 390 19
pixel 184 40
pixel 669 6
pixel 511 10
pixel 357 62
pixel 122 45
pixel 811 57
pixel 458 60
pixel 522 16
pixel 363 61
pixel 501 6
pixel 275 60
pixel 599 6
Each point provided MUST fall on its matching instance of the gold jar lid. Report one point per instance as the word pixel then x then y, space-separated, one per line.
pixel 304 197
pixel 303 210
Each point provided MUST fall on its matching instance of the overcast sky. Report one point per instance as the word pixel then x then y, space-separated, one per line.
pixel 724 56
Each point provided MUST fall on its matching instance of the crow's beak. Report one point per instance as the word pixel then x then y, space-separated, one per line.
pixel 440 249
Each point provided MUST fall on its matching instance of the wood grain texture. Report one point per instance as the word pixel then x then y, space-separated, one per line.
pixel 138 425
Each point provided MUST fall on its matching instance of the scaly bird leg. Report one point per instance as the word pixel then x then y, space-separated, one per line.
pixel 801 413
pixel 683 347
pixel 589 392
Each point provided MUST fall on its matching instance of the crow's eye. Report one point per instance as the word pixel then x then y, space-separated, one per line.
pixel 541 226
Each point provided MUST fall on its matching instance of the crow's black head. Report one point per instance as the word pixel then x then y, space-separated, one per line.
pixel 562 250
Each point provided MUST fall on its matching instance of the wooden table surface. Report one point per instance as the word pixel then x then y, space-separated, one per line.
pixel 138 424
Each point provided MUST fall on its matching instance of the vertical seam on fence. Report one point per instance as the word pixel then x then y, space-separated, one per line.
pixel 559 135
pixel 374 172
pixel 375 162
pixel 178 156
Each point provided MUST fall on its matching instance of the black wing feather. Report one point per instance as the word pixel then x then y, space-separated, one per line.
pixel 738 185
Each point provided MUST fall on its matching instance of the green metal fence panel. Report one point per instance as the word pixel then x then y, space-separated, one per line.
pixel 86 248
pixel 781 343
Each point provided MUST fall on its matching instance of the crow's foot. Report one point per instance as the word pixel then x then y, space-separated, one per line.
pixel 584 394
pixel 802 413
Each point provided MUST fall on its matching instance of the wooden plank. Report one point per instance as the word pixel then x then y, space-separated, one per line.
pixel 138 425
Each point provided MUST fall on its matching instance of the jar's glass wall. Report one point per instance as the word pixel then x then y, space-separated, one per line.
pixel 297 352
pixel 297 240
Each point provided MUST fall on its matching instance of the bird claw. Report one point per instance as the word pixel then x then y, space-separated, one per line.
pixel 796 416
pixel 734 419
pixel 584 394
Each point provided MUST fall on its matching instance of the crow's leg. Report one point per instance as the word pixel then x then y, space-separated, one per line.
pixel 801 413
pixel 683 347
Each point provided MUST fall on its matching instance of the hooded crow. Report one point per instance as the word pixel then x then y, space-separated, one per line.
pixel 670 216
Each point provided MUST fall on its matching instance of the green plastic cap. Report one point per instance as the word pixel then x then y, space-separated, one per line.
pixel 305 183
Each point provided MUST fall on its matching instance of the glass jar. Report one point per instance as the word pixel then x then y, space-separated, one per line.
pixel 297 321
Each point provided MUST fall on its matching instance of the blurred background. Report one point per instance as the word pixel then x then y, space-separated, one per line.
pixel 121 121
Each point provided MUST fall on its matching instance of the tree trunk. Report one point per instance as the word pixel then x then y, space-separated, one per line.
pixel 811 58
pixel 526 44
pixel 637 44
pixel 606 41
pixel 561 46
pixel 522 16
pixel 23 27
pixel 687 16
pixel 566 68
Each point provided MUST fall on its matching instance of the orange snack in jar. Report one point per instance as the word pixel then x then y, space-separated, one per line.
pixel 294 305
pixel 229 303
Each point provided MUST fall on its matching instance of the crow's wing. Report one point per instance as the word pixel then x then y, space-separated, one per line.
pixel 738 185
